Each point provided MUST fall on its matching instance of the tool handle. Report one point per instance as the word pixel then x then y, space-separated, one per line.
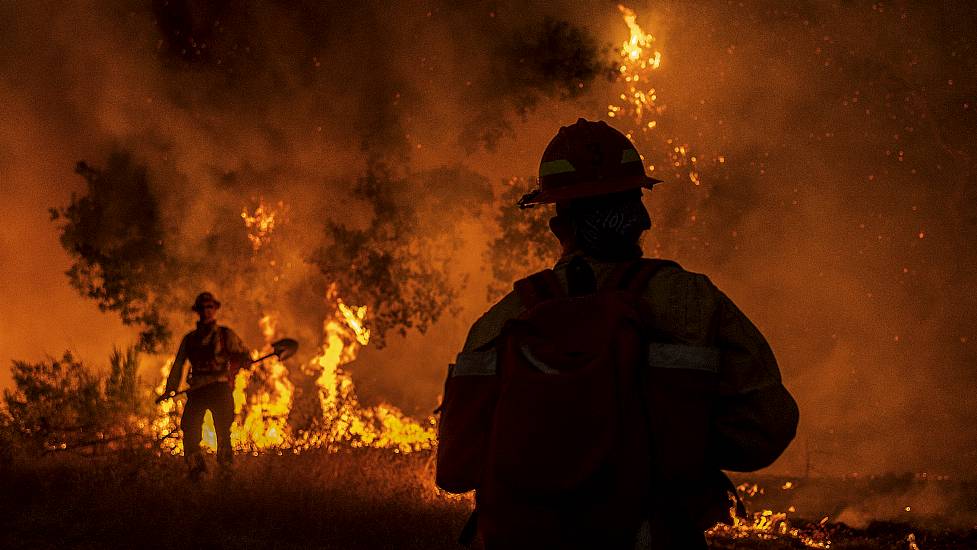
pixel 262 358
pixel 173 394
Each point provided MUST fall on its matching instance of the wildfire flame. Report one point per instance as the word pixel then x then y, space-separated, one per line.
pixel 768 525
pixel 639 100
pixel 260 223
pixel 638 59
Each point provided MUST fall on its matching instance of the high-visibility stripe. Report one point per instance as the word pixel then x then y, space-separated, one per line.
pixel 661 356
pixel 475 363
pixel 560 166
pixel 677 356
pixel 540 366
pixel 630 155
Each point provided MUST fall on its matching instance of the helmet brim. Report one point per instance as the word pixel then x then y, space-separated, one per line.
pixel 587 189
pixel 198 306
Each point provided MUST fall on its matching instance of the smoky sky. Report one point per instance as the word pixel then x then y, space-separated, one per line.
pixel 834 146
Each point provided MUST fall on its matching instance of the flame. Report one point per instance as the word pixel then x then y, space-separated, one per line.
pixel 638 59
pixel 354 317
pixel 260 224
pixel 345 421
pixel 639 100
pixel 767 525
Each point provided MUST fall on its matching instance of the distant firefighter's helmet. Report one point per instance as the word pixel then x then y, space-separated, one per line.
pixel 587 159
pixel 204 298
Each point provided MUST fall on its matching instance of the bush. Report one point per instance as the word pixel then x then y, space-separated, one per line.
pixel 62 404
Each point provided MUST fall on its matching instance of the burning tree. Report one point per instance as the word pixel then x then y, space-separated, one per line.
pixel 400 264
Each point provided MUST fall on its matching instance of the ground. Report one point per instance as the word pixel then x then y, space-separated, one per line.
pixel 355 499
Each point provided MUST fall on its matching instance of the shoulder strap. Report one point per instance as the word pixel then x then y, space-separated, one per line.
pixel 634 276
pixel 222 338
pixel 538 287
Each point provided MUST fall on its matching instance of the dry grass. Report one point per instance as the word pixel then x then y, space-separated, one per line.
pixel 358 499
pixel 352 500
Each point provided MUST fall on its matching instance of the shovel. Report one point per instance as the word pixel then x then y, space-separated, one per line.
pixel 283 349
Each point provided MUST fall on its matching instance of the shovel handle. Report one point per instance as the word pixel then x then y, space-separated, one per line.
pixel 262 358
pixel 173 394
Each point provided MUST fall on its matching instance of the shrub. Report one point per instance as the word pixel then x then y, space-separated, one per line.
pixel 62 404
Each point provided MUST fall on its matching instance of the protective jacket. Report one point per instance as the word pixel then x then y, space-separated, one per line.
pixel 215 352
pixel 751 417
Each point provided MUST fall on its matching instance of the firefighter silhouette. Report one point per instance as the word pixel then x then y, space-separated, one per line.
pixel 215 354
pixel 596 404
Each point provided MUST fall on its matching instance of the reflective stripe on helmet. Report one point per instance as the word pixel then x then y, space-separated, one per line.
pixel 630 155
pixel 560 166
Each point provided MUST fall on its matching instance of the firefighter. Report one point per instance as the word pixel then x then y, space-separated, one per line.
pixel 215 353
pixel 716 401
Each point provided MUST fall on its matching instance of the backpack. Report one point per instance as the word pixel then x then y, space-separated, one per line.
pixel 554 435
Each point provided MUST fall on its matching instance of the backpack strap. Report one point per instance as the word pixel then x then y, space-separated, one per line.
pixel 538 287
pixel 634 276
pixel 222 339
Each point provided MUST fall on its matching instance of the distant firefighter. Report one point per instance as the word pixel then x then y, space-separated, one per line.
pixel 215 353
pixel 596 405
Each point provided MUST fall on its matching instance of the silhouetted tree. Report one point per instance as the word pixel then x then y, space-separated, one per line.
pixel 114 234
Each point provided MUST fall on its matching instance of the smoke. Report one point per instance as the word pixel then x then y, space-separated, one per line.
pixel 231 92
pixel 833 147
pixel 196 114
pixel 836 218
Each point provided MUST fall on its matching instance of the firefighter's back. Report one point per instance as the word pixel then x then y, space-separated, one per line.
pixel 597 403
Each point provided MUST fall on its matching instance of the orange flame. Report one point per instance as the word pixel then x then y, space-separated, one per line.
pixel 766 525
pixel 639 100
pixel 260 224
pixel 638 59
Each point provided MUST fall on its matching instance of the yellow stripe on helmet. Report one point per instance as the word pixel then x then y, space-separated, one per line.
pixel 560 166
pixel 630 155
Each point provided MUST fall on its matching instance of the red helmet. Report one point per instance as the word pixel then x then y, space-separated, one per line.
pixel 585 160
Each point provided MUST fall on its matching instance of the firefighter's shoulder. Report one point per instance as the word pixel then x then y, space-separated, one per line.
pixel 683 302
pixel 488 327
pixel 671 276
pixel 226 329
pixel 232 336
